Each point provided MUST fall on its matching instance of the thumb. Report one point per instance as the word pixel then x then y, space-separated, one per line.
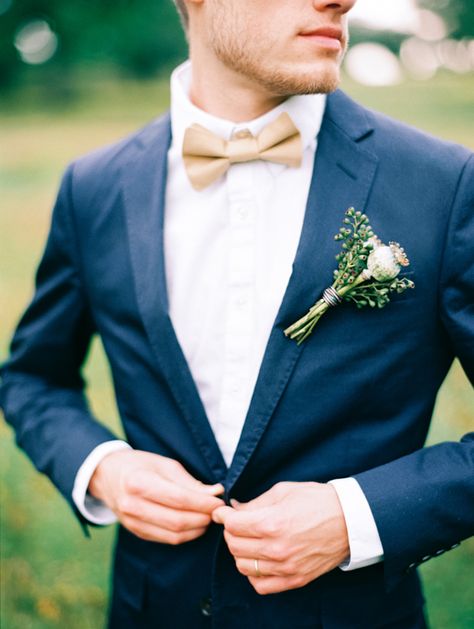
pixel 219 514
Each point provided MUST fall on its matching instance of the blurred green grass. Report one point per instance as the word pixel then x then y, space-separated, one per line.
pixel 51 575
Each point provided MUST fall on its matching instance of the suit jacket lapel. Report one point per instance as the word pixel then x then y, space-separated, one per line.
pixel 144 181
pixel 342 177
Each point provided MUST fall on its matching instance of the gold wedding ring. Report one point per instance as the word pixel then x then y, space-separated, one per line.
pixel 257 571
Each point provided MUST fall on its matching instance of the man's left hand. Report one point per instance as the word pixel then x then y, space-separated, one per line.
pixel 296 531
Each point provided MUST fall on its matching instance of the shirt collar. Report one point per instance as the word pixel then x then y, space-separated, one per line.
pixel 306 111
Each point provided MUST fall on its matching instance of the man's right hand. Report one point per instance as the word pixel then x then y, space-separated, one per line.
pixel 154 497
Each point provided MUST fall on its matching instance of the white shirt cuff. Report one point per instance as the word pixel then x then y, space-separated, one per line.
pixel 364 539
pixel 91 508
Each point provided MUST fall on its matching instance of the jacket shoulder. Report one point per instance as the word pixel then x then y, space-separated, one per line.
pixel 100 170
pixel 391 139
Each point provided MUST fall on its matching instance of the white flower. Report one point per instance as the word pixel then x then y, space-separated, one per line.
pixel 382 264
pixel 374 242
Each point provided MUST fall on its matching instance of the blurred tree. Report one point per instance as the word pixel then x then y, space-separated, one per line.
pixel 391 39
pixel 137 36
pixel 459 15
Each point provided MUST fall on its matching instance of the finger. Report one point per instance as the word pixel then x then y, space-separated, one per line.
pixel 214 490
pixel 175 472
pixel 236 504
pixel 248 547
pixel 179 497
pixel 165 517
pixel 273 585
pixel 241 523
pixel 183 478
pixel 153 533
pixel 266 499
pixel 155 488
pixel 248 567
pixel 255 548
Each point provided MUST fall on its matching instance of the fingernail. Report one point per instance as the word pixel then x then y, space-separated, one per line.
pixel 213 488
pixel 216 518
pixel 234 502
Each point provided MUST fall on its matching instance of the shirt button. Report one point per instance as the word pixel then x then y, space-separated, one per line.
pixel 242 211
pixel 206 607
pixel 241 301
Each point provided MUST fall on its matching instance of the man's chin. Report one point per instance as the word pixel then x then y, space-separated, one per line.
pixel 319 76
pixel 313 81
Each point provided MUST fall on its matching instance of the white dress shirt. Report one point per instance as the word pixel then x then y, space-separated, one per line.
pixel 229 251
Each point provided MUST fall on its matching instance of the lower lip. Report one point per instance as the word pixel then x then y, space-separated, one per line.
pixel 324 42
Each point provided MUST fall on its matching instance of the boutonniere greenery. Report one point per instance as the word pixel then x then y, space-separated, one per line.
pixel 366 274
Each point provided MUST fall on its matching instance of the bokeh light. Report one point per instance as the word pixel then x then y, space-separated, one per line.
pixel 431 26
pixel 36 42
pixel 406 40
pixel 373 64
pixel 419 58
pixel 401 15
pixel 456 55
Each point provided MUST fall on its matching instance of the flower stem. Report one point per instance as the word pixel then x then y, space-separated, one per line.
pixel 315 311
pixel 302 328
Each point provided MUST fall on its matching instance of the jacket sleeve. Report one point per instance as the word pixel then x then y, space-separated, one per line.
pixel 423 503
pixel 42 390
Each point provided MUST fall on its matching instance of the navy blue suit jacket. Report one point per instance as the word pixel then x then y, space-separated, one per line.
pixel 355 399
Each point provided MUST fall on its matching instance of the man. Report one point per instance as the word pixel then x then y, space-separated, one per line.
pixel 264 483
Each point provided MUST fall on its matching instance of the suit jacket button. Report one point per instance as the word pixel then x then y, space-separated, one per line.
pixel 206 607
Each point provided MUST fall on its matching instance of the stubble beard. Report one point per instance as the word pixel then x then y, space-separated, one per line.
pixel 243 57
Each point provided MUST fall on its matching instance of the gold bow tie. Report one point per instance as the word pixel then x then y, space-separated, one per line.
pixel 207 156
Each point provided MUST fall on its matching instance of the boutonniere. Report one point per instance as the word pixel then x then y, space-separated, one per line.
pixel 366 273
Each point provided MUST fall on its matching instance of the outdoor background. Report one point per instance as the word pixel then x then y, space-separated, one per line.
pixel 75 75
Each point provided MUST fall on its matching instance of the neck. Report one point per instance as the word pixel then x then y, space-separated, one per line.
pixel 224 93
